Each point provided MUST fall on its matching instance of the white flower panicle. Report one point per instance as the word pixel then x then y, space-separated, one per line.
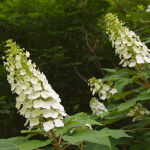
pixel 36 99
pixel 97 107
pixel 137 112
pixel 127 44
pixel 104 90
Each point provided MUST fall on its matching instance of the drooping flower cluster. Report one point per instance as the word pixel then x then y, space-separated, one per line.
pixel 148 9
pixel 127 44
pixel 138 111
pixel 104 90
pixel 36 99
pixel 97 107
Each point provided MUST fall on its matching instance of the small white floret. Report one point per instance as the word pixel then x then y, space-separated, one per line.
pixel 49 113
pixel 58 123
pixel 34 121
pixel 113 91
pixel 45 94
pixel 48 125
pixel 139 59
pixel 38 103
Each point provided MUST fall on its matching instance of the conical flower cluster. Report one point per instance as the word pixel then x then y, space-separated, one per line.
pixel 97 107
pixel 104 90
pixel 128 46
pixel 36 99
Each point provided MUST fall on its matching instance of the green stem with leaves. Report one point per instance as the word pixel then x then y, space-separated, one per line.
pixel 56 143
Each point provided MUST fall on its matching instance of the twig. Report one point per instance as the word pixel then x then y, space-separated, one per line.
pixel 141 129
pixel 139 83
pixel 92 50
pixel 66 146
pixel 60 140
pixel 124 148
pixel 124 99
pixel 119 8
pixel 82 146
pixel 57 145
pixel 112 62
pixel 83 78
pixel 146 82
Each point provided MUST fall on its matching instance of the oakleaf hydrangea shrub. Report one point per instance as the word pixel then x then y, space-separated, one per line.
pixel 36 99
pixel 120 99
pixel 135 56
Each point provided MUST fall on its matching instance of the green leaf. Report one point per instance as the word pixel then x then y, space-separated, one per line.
pixel 115 133
pixel 79 120
pixel 121 141
pixel 76 122
pixel 83 118
pixel 33 144
pixel 147 41
pixel 142 96
pixel 119 96
pixel 60 131
pixel 126 105
pixel 31 131
pixel 22 143
pixel 11 143
pixel 115 116
pixel 93 146
pixel 139 125
pixel 104 114
pixel 109 70
pixel 92 136
pixel 121 83
pixel 143 146
pixel 95 136
pixel 117 74
pixel 7 146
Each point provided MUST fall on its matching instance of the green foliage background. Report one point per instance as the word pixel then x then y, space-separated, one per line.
pixel 67 41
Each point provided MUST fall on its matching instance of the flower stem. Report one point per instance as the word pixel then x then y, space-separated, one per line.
pixel 146 82
pixel 56 143
pixel 81 146
pixel 66 146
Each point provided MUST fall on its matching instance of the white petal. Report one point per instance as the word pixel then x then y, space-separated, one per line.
pixel 48 125
pixel 58 123
pixel 50 113
pixel 45 94
pixel 37 87
pixel 147 59
pixel 34 121
pixel 38 103
pixel 36 112
pixel 34 80
pixel 132 64
pixel 139 59
pixel 113 91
